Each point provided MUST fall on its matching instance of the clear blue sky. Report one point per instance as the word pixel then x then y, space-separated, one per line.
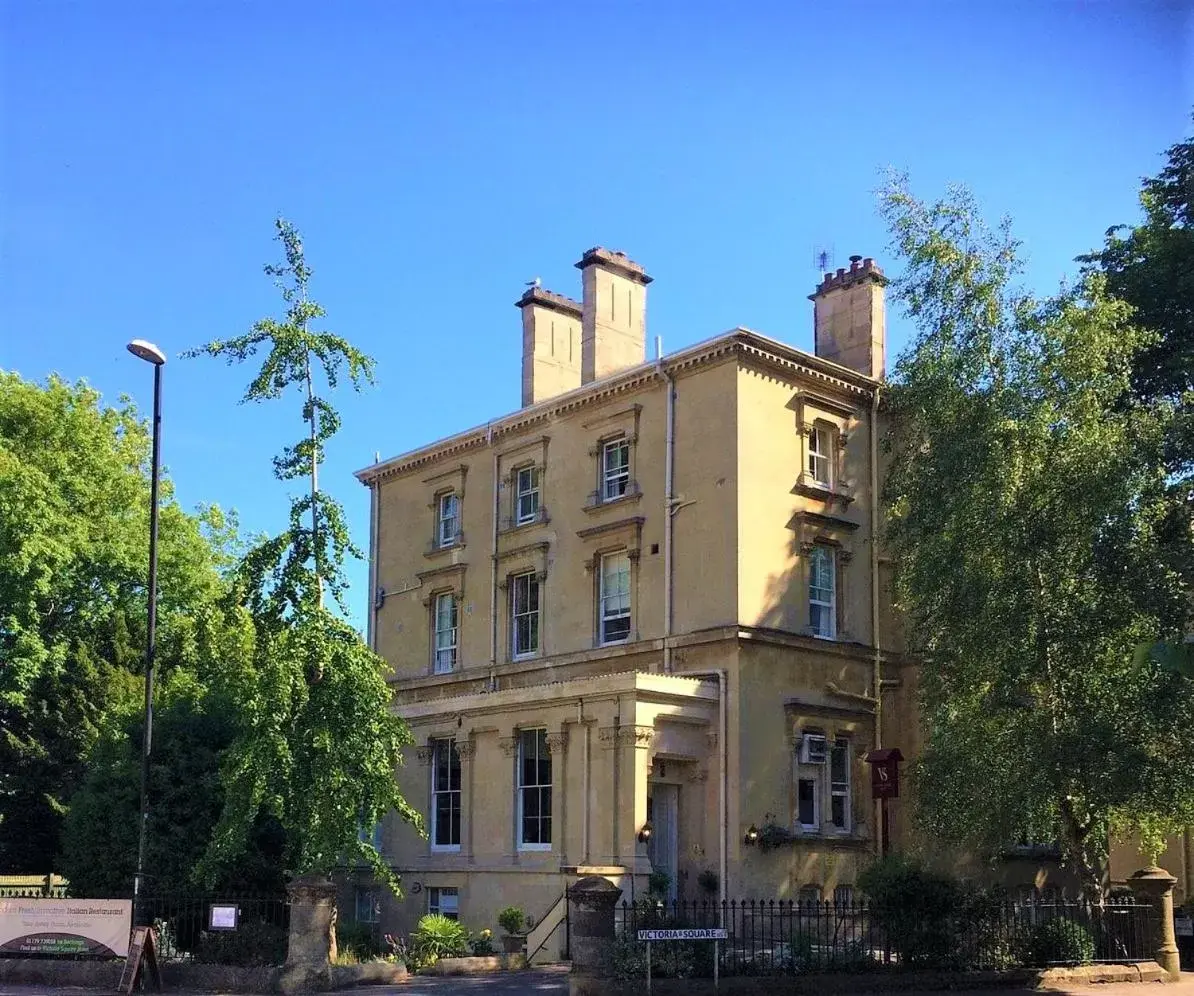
pixel 438 155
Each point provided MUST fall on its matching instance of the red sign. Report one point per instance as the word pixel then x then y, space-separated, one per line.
pixel 885 772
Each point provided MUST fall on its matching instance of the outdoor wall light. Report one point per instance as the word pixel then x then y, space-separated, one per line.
pixel 645 833
pixel 752 835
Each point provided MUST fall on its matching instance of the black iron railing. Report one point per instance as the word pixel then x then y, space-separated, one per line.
pixel 787 938
pixel 185 931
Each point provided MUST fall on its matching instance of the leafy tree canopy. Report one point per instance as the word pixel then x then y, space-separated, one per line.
pixel 317 745
pixel 74 505
pixel 1026 494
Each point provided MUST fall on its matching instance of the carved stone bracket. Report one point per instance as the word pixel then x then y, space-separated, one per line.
pixel 425 753
pixel 698 775
pixel 466 750
pixel 640 737
pixel 509 745
pixel 711 737
pixel 557 743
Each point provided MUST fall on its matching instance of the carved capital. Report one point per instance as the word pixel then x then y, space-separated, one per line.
pixel 425 753
pixel 711 737
pixel 557 743
pixel 626 736
pixel 466 749
pixel 608 736
pixel 509 745
pixel 698 775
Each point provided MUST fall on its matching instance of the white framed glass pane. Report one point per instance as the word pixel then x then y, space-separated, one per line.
pixel 615 598
pixel 615 469
pixel 524 594
pixel 534 790
pixel 819 463
pixel 449 519
pixel 806 802
pixel 446 631
pixel 527 495
pixel 822 583
pixel 445 794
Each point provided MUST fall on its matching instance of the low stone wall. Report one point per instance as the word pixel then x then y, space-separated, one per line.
pixel 476 965
pixel 877 982
pixel 185 977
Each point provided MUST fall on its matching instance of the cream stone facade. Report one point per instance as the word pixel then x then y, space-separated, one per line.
pixel 644 613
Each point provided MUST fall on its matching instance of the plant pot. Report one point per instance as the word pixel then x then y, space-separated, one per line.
pixel 514 943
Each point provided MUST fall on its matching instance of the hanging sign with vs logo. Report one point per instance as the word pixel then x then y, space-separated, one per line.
pixel 885 772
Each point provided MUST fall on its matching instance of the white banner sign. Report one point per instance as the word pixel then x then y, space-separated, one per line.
pixel 98 927
pixel 685 934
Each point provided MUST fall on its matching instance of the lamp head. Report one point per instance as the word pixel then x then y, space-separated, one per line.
pixel 147 351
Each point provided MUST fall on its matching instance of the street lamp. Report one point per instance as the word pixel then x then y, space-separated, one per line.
pixel 151 354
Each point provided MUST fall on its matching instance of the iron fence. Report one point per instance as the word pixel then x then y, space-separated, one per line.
pixel 776 937
pixel 185 932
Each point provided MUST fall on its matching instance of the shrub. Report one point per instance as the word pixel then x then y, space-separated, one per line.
pixel 358 940
pixel 626 959
pixel 253 943
pixel 483 943
pixel 512 920
pixel 1059 940
pixel 916 908
pixel 658 882
pixel 437 937
pixel 708 881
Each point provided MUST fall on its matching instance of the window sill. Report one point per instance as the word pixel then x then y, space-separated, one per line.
pixel 534 848
pixel 436 551
pixel 509 526
pixel 596 504
pixel 602 644
pixel 445 848
pixel 523 658
pixel 820 491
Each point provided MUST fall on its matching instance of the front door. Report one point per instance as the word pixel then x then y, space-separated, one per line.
pixel 662 849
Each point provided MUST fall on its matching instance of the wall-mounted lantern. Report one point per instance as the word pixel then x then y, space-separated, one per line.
pixel 752 836
pixel 644 835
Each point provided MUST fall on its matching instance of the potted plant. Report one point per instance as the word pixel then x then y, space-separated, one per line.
pixel 514 922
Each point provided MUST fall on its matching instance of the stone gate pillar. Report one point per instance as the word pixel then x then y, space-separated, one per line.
pixel 591 905
pixel 312 943
pixel 1155 886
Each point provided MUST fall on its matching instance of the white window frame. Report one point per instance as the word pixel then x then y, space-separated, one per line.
pixel 615 481
pixel 520 611
pixel 819 464
pixel 613 606
pixel 526 486
pixel 541 751
pixel 447 519
pixel 446 633
pixel 840 789
pixel 447 794
pixel 436 894
pixel 822 597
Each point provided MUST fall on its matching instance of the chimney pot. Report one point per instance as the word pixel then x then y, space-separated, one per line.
pixel 855 259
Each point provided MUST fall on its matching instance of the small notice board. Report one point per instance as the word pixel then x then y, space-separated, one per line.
pixel 143 958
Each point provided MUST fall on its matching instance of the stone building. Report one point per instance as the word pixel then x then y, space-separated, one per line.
pixel 644 613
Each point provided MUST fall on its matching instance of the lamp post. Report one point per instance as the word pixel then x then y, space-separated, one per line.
pixel 151 354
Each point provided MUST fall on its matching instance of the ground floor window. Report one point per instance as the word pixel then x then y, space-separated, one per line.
pixel 368 906
pixel 444 901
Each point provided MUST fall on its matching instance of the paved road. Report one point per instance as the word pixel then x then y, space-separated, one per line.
pixel 554 983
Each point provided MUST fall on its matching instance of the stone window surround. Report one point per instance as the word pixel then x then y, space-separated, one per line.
pixel 508 481
pixel 451 481
pixel 623 424
pixel 625 535
pixel 813 530
pixel 466 750
pixel 816 411
pixel 447 580
pixel 557 745
pixel 523 560
pixel 833 723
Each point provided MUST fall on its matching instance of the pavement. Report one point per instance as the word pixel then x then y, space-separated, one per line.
pixel 551 982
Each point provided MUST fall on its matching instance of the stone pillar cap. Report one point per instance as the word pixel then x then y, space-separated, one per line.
pixel 594 883
pixel 1152 874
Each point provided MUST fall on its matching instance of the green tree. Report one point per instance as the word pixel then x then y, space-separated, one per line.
pixel 74 503
pixel 317 745
pixel 1025 497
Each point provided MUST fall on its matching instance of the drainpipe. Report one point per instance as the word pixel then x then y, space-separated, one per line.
pixel 669 503
pixel 723 773
pixel 374 514
pixel 493 567
pixel 877 666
